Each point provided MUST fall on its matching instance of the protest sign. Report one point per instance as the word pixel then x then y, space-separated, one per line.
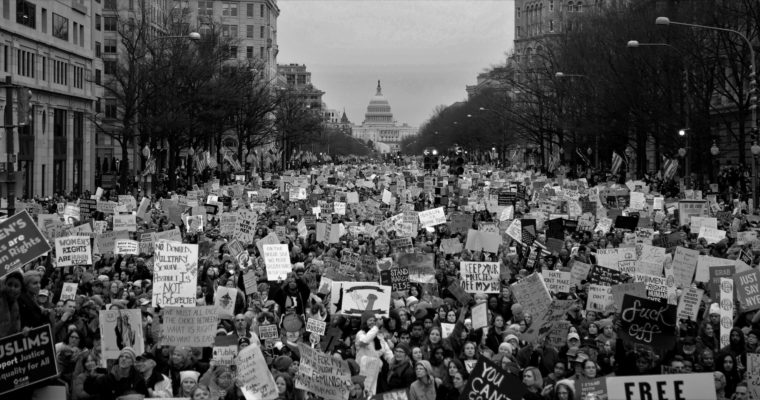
pixel 125 222
pixel 20 243
pixel 658 287
pixel 268 332
pixel 557 281
pixel 188 326
pixel 690 208
pixel 483 241
pixel 420 266
pixel 253 373
pixel 605 276
pixel 73 250
pixel 479 316
pixel 227 223
pixel 532 294
pixel 27 358
pixel 175 274
pixel 662 387
pixel 456 289
pixel 684 265
pixel 747 291
pixel 224 301
pixel 451 246
pixel 245 226
pixel 480 277
pixel 356 298
pixel 600 298
pixel 579 271
pixel 126 246
pixel 433 217
pixel 688 306
pixel 648 322
pixel 396 278
pixel 726 310
pixel 316 326
pixel 711 235
pixel 120 329
pixel 225 350
pixel 69 291
pixel 106 242
pixel 277 260
pixel 595 388
pixel 487 377
pixel 323 374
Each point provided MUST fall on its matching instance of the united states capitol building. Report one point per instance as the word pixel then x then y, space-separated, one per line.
pixel 379 126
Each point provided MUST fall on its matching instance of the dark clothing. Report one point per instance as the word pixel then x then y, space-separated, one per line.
pixel 30 312
pixel 110 386
pixel 401 376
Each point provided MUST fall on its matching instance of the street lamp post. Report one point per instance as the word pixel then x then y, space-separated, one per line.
pixel 753 94
pixel 562 75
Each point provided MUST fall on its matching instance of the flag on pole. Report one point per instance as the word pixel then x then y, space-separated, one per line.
pixel 671 167
pixel 582 156
pixel 200 162
pixel 617 162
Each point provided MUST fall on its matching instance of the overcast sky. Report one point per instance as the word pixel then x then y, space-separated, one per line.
pixel 424 51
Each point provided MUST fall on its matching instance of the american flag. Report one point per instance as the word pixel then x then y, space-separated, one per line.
pixel 671 167
pixel 200 162
pixel 210 160
pixel 617 162
pixel 235 164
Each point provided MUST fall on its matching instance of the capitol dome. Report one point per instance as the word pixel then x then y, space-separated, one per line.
pixel 378 110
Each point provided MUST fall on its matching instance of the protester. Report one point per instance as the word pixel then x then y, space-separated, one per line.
pixel 534 272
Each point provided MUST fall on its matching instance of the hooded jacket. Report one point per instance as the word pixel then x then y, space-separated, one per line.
pixel 420 390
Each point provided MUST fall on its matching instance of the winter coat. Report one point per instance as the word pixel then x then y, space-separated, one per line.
pixel 10 318
pixel 111 385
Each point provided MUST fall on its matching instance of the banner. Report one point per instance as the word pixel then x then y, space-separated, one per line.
pixel 277 261
pixel 323 374
pixel 726 310
pixel 27 358
pixel 120 329
pixel 662 387
pixel 420 265
pixel 252 371
pixel 648 322
pixel 73 250
pixel 316 326
pixel 175 274
pixel 126 246
pixel 557 281
pixel 356 298
pixel 188 326
pixel 396 278
pixel 487 377
pixel 480 277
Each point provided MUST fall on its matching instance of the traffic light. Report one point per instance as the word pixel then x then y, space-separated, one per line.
pixel 457 163
pixel 24 108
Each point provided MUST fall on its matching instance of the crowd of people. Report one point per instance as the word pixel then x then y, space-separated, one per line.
pixel 429 342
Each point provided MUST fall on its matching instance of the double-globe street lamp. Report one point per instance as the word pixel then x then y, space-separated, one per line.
pixel 753 88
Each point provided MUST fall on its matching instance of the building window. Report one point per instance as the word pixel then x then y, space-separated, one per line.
pixel 60 27
pixel 98 49
pixel 579 7
pixel 109 24
pixel 249 31
pixel 249 10
pixel 249 52
pixel 109 46
pixel 261 52
pixel 44 68
pixel 551 25
pixel 261 32
pixel 229 9
pixel 98 78
pixel 25 63
pixel 229 31
pixel 110 5
pixel 110 108
pixel 97 22
pixel 59 123
pixel 131 5
pixel 44 20
pixel 551 5
pixel 76 33
pixel 81 35
pixel 261 10
pixel 206 8
pixel 109 67
pixel 232 52
pixel 26 14
pixel 569 6
pixel 78 77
